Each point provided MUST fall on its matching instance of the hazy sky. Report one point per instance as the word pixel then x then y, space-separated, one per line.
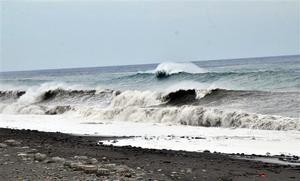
pixel 60 34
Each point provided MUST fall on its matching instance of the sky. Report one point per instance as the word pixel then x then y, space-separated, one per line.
pixel 45 34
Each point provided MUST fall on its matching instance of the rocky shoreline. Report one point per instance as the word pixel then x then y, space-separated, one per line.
pixel 34 155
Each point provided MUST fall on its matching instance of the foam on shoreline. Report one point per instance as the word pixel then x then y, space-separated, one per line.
pixel 163 136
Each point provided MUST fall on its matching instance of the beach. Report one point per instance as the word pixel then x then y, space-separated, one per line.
pixel 149 90
pixel 20 159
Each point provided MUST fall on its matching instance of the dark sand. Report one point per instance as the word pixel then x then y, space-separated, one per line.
pixel 139 164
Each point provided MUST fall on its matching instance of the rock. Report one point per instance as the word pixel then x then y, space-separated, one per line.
pixel 68 163
pixel 12 142
pixel 124 171
pixel 3 145
pixel 72 164
pixel 58 159
pixel 32 151
pixel 102 172
pixel 188 170
pixel 25 155
pixel 40 156
pixel 110 165
pixel 22 154
pixel 87 168
pixel 127 174
pixel 92 161
pixel 81 157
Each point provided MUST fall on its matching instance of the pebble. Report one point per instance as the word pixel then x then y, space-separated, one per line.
pixel 24 155
pixel 86 168
pixel 32 151
pixel 72 164
pixel 58 159
pixel 92 161
pixel 40 156
pixel 103 172
pixel 123 170
pixel 110 165
pixel 12 142
pixel 81 157
pixel 3 145
pixel 188 170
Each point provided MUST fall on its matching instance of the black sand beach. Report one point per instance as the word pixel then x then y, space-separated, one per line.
pixel 34 155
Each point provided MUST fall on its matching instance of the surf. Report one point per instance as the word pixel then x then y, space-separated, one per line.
pixel 182 106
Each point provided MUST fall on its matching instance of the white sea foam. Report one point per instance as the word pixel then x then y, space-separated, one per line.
pixel 136 98
pixel 193 116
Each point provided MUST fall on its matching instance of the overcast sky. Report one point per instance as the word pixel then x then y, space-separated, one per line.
pixel 60 34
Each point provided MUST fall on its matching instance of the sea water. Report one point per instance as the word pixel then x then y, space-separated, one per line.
pixel 245 94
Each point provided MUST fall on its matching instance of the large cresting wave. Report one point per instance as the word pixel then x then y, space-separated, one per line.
pixel 169 68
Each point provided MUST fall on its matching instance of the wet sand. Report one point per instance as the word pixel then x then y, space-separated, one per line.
pixel 34 155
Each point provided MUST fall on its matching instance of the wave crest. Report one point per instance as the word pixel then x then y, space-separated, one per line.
pixel 193 116
pixel 169 68
pixel 183 106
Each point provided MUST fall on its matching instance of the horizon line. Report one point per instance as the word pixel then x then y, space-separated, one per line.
pixel 107 66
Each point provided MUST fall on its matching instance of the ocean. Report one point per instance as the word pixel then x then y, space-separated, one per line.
pixel 252 94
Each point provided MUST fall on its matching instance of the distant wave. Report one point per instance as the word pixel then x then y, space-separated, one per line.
pixel 261 78
pixel 170 68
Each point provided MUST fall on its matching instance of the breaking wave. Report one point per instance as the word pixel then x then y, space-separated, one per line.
pixel 193 116
pixel 182 106
pixel 167 69
pixel 4 95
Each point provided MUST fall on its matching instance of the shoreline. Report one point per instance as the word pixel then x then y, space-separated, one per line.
pixel 143 164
